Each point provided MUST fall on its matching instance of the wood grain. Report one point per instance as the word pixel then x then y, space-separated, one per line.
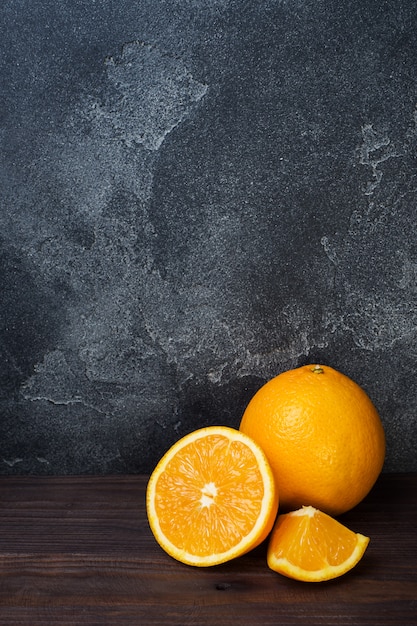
pixel 78 550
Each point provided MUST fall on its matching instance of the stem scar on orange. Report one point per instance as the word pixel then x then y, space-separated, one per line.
pixel 212 497
pixel 322 435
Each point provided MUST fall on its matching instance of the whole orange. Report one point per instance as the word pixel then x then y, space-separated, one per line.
pixel 322 435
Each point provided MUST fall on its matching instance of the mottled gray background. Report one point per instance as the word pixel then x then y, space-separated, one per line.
pixel 195 196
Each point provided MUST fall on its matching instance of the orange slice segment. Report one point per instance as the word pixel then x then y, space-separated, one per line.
pixel 311 546
pixel 212 497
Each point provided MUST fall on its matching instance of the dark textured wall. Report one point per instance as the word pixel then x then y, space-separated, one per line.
pixel 195 196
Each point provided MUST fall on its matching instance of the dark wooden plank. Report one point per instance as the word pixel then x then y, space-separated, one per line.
pixel 78 550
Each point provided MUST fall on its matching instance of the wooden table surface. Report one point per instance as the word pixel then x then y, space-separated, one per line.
pixel 78 550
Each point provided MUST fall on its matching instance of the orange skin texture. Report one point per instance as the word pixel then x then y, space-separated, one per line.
pixel 322 435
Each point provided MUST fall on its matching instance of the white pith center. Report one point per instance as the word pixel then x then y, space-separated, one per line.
pixel 305 511
pixel 208 494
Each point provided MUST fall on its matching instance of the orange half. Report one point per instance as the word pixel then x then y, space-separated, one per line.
pixel 212 497
pixel 311 546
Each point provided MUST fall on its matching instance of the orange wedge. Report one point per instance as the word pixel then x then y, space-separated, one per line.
pixel 212 497
pixel 311 546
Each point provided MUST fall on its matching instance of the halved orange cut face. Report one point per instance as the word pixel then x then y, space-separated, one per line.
pixel 212 497
pixel 311 546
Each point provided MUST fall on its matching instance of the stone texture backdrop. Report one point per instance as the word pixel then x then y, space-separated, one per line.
pixel 195 196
